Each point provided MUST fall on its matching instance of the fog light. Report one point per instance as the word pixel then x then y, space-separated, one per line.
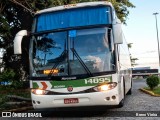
pixel 107 98
pixel 113 97
pixel 38 102
pixel 34 102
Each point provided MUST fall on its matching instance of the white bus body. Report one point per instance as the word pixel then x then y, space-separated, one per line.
pixel 67 69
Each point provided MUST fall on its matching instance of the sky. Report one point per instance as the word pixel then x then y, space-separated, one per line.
pixel 141 31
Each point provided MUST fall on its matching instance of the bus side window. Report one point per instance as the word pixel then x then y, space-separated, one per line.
pixel 114 14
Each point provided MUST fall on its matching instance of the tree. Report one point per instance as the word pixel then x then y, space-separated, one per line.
pixel 152 81
pixel 18 14
pixel 12 19
pixel 121 7
pixel 133 61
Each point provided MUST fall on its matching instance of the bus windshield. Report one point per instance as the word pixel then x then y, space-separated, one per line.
pixel 74 52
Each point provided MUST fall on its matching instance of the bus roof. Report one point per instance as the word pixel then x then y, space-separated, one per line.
pixel 71 6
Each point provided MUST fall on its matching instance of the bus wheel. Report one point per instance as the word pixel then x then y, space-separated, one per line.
pixel 130 90
pixel 122 101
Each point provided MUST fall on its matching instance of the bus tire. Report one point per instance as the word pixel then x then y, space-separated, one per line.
pixel 121 104
pixel 130 90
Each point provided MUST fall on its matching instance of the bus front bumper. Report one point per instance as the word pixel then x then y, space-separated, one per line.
pixel 76 100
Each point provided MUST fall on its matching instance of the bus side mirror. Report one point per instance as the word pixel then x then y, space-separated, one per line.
pixel 18 40
pixel 117 31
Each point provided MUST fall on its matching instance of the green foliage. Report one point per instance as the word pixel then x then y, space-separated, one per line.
pixel 129 45
pixel 17 84
pixel 155 90
pixel 17 92
pixel 20 84
pixel 133 61
pixel 121 7
pixel 7 75
pixel 152 81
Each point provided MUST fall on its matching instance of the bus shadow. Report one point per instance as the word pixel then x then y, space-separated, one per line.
pixel 92 111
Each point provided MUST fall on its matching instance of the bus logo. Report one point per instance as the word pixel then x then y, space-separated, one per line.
pixel 70 88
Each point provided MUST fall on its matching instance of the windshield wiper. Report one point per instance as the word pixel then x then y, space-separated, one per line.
pixel 81 61
pixel 59 60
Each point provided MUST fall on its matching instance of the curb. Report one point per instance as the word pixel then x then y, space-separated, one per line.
pixel 19 109
pixel 149 92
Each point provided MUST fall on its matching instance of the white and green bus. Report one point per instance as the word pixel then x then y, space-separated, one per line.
pixel 78 57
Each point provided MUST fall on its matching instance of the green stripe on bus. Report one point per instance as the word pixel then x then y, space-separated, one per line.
pixel 35 85
pixel 76 83
pixel 80 83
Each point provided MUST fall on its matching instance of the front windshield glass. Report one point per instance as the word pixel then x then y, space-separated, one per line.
pixel 73 52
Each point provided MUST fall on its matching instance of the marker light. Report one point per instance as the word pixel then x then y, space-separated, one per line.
pixel 39 91
pixel 106 87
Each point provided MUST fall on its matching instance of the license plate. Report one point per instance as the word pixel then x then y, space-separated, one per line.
pixel 71 100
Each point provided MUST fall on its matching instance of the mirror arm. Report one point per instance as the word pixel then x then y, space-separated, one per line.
pixel 18 40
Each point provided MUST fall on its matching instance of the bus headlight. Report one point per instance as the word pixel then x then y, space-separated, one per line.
pixel 105 87
pixel 39 91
